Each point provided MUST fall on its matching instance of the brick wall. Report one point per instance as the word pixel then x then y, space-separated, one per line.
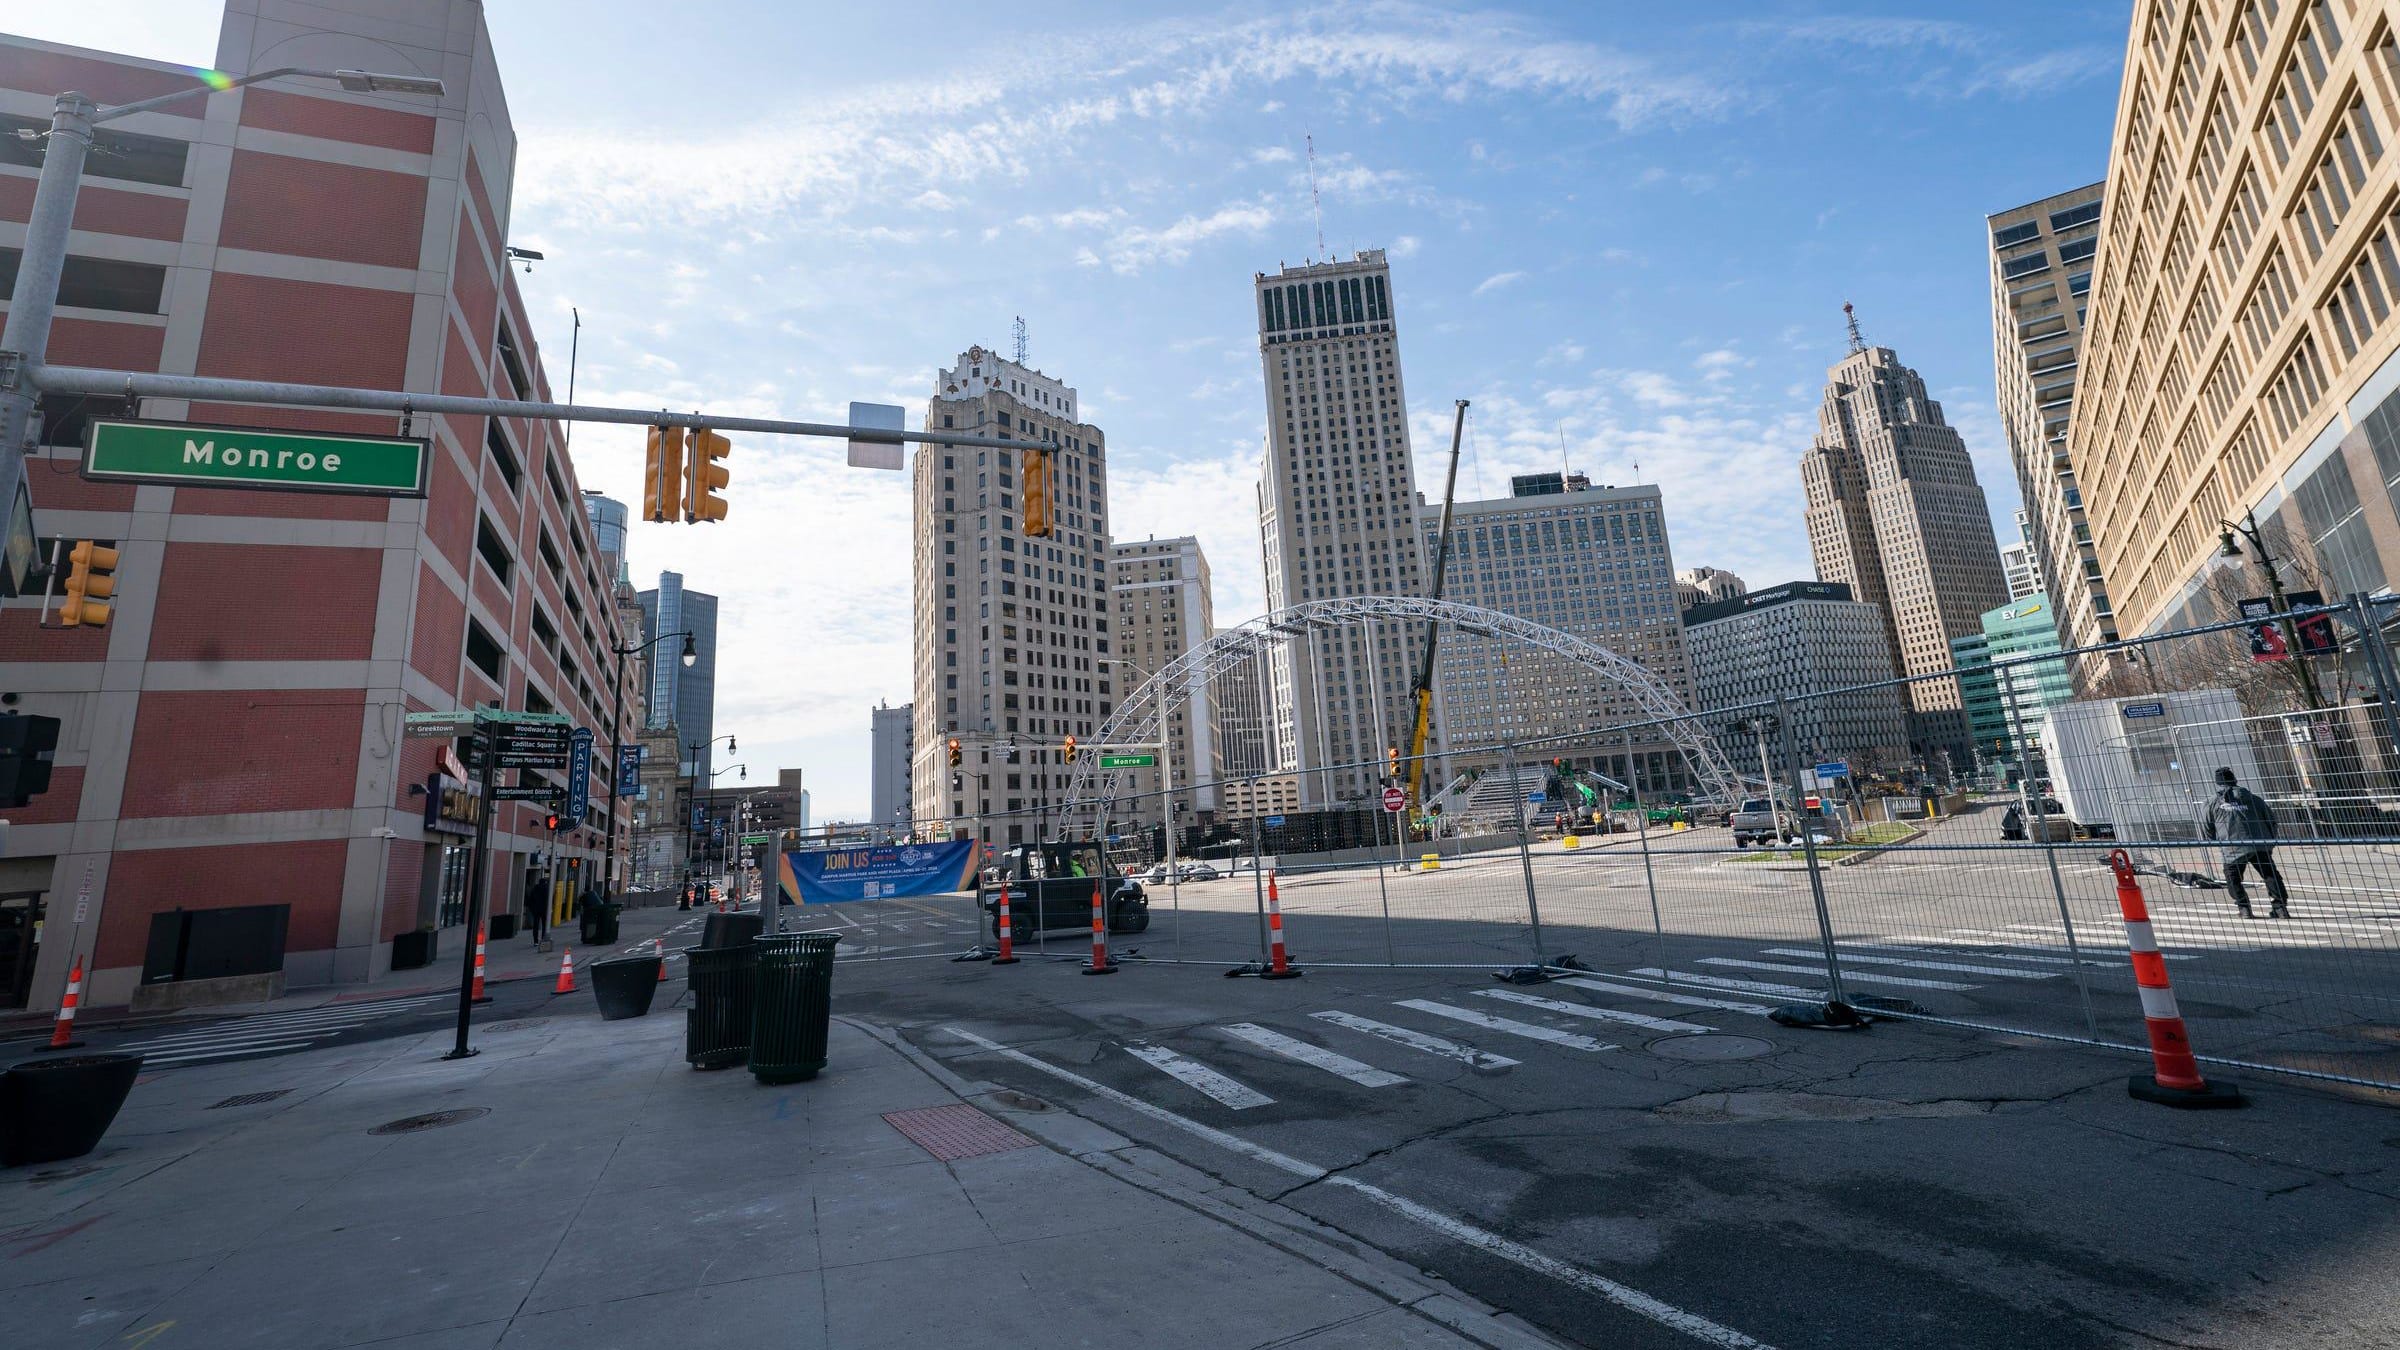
pixel 103 210
pixel 317 604
pixel 235 752
pixel 307 875
pixel 440 632
pixel 313 208
pixel 273 109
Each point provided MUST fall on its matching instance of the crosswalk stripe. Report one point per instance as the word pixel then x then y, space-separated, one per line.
pixel 1724 982
pixel 219 1052
pixel 1850 955
pixel 1569 1039
pixel 1314 1056
pixel 1952 950
pixel 233 1038
pixel 1868 977
pixel 250 1029
pixel 1199 1077
pixel 1417 1040
pixel 1660 995
pixel 1587 1010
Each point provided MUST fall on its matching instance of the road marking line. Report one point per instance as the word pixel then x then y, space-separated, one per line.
pixel 1528 1030
pixel 1952 950
pixel 1200 1078
pixel 1623 1296
pixel 1865 976
pixel 1417 1040
pixel 1662 995
pixel 222 1052
pixel 1849 954
pixel 1587 1010
pixel 1722 982
pixel 1314 1056
pixel 231 1034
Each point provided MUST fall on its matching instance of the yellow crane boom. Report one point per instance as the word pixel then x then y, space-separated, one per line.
pixel 1433 628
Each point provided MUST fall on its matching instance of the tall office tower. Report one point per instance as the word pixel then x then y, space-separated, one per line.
pixel 1161 592
pixel 892 799
pixel 608 518
pixel 1894 513
pixel 1707 586
pixel 1337 517
pixel 2018 565
pixel 1794 642
pixel 2240 350
pixel 1592 562
pixel 1244 732
pixel 1011 630
pixel 2041 273
pixel 685 695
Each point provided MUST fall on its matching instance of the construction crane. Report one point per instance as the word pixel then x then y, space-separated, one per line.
pixel 1433 628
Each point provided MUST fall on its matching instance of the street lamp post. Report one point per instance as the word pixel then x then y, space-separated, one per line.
pixel 2230 548
pixel 25 341
pixel 699 791
pixel 1166 782
pixel 616 745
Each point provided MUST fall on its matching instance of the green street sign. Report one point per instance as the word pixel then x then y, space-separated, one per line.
pixel 748 839
pixel 185 454
pixel 438 725
pixel 549 719
pixel 1128 761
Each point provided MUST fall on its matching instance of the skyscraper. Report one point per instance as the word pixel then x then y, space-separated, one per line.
pixel 1243 732
pixel 1707 586
pixel 1160 589
pixel 1894 512
pixel 608 517
pixel 1337 516
pixel 2018 564
pixel 2041 274
pixel 1010 629
pixel 890 764
pixel 685 695
pixel 1589 561
pixel 1794 642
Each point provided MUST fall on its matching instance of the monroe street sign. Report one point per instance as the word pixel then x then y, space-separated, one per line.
pixel 1128 761
pixel 183 454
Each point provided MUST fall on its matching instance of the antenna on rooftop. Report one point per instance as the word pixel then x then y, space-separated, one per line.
pixel 1850 316
pixel 1020 333
pixel 1316 204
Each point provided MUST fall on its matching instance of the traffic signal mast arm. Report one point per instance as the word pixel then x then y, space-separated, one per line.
pixel 1433 628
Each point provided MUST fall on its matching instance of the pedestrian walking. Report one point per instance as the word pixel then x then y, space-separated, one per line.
pixel 2012 823
pixel 2245 824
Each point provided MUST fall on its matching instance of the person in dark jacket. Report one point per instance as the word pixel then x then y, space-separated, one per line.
pixel 2012 823
pixel 2245 824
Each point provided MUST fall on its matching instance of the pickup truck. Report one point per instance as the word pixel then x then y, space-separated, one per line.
pixel 1049 885
pixel 1754 822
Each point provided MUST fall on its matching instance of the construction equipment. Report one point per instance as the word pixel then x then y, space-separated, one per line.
pixel 1433 628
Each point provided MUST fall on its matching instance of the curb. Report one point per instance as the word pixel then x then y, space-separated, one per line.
pixel 1289 1231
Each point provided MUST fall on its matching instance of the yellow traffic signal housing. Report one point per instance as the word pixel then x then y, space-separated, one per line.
pixel 1068 755
pixel 1392 758
pixel 662 475
pixel 1036 468
pixel 707 476
pixel 955 755
pixel 89 582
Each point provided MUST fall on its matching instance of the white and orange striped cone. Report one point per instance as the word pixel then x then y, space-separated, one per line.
pixel 2175 1079
pixel 1100 965
pixel 1279 964
pixel 475 994
pixel 1008 934
pixel 661 944
pixel 566 973
pixel 62 1036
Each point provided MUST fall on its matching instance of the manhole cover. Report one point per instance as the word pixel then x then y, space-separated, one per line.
pixel 249 1099
pixel 431 1120
pixel 1710 1047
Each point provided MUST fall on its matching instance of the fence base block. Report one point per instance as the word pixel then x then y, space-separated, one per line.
pixel 2217 1095
pixel 1829 1015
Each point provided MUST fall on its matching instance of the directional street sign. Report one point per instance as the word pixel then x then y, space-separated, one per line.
pixel 528 719
pixel 526 792
pixel 192 455
pixel 1273 822
pixel 438 725
pixel 758 839
pixel 1834 769
pixel 536 757
pixel 1536 798
pixel 1128 761
pixel 1395 799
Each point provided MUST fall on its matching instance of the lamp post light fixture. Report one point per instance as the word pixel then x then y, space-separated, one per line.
pixel 2231 547
pixel 616 744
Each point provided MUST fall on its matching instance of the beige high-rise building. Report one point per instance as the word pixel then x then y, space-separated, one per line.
pixel 1161 593
pixel 1894 512
pixel 2041 272
pixel 1337 517
pixel 2239 354
pixel 1010 630
pixel 1243 733
pixel 1707 586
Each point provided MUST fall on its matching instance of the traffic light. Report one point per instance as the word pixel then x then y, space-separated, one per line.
pixel 26 746
pixel 956 753
pixel 89 581
pixel 550 822
pixel 1067 753
pixel 662 475
pixel 701 501
pixel 1036 468
pixel 1391 758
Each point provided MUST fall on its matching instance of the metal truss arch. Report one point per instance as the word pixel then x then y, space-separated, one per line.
pixel 1138 719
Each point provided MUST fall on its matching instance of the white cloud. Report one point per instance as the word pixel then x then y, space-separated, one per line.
pixel 933 199
pixel 1272 154
pixel 1405 246
pixel 1136 247
pixel 1718 365
pixel 1496 281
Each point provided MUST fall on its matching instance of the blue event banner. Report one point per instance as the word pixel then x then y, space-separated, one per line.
pixel 830 876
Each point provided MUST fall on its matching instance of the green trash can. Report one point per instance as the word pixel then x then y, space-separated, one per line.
pixel 599 922
pixel 716 1028
pixel 793 1006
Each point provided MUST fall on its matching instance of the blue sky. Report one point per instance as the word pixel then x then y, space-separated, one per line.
pixel 1635 223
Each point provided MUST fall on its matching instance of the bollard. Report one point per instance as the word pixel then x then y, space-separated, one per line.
pixel 62 1035
pixel 2176 1079
pixel 1279 967
pixel 1100 963
pixel 1430 862
pixel 1008 934
pixel 476 994
pixel 566 972
pixel 659 944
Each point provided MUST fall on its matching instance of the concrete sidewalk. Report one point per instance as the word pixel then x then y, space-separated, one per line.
pixel 593 1191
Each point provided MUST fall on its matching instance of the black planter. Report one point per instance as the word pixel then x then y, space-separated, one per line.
pixel 731 930
pixel 625 986
pixel 504 927
pixel 58 1108
pixel 413 950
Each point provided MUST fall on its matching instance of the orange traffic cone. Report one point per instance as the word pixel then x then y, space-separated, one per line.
pixel 476 994
pixel 661 944
pixel 1100 965
pixel 566 973
pixel 62 1035
pixel 1279 965
pixel 2175 1074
